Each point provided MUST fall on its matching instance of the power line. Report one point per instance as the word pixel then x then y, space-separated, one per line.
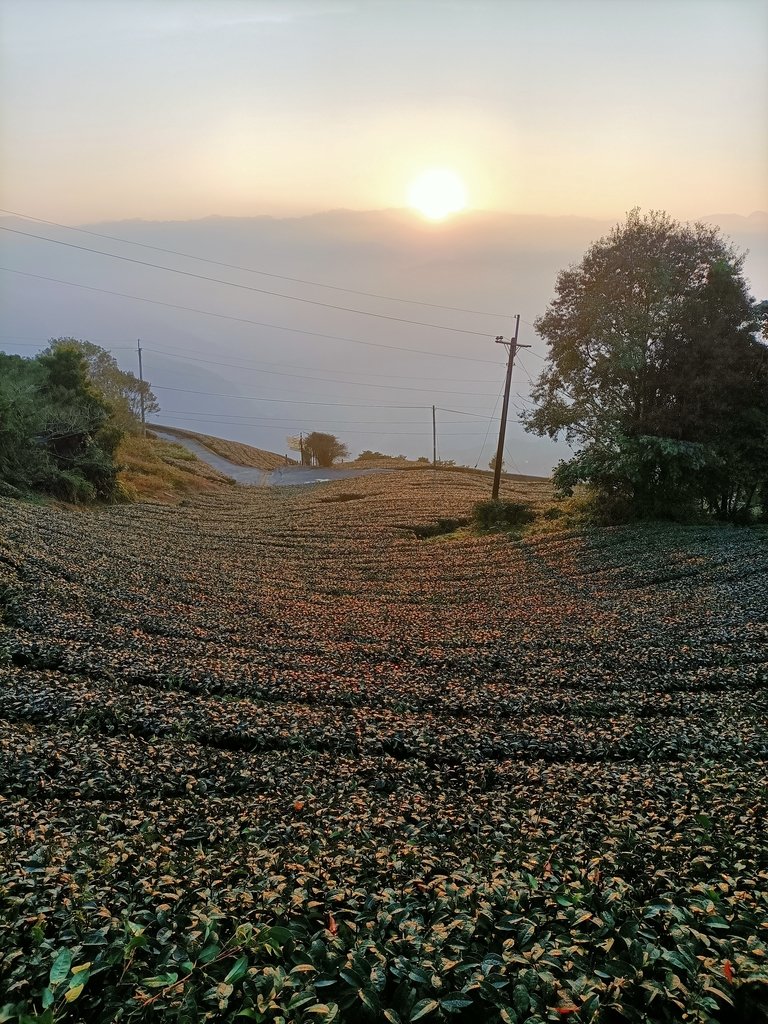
pixel 245 320
pixel 488 430
pixel 34 344
pixel 288 401
pixel 324 380
pixel 244 287
pixel 512 461
pixel 271 421
pixel 525 371
pixel 376 433
pixel 460 412
pixel 251 270
pixel 181 354
pixel 184 353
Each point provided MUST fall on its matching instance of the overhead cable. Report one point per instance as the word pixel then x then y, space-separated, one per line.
pixel 252 270
pixel 246 320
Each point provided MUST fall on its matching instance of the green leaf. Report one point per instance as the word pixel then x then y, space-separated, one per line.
pixel 60 968
pixel 423 1008
pixel 455 1003
pixel 369 999
pixel 677 960
pixel 378 977
pixel 277 936
pixel 208 953
pixel 352 978
pixel 48 998
pixel 161 980
pixel 238 971
pixel 520 999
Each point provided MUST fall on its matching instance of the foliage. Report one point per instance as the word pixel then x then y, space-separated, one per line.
pixel 443 526
pixel 312 769
pixel 296 444
pixel 323 449
pixel 492 464
pixel 495 514
pixel 56 434
pixel 122 390
pixel 656 371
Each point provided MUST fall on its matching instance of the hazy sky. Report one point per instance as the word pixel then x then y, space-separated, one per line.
pixel 185 108
pixel 559 116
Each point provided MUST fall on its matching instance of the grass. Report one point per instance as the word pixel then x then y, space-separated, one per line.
pixel 235 451
pixel 160 471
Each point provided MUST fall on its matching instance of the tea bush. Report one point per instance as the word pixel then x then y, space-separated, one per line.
pixel 502 515
pixel 270 758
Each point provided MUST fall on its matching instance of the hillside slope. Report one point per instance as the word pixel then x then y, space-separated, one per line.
pixel 237 452
pixel 155 470
pixel 472 780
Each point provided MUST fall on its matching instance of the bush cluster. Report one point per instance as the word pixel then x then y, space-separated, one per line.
pixel 315 770
pixel 57 434
pixel 502 515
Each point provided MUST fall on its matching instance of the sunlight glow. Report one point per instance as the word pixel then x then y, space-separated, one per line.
pixel 436 193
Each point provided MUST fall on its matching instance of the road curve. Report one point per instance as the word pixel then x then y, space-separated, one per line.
pixel 285 476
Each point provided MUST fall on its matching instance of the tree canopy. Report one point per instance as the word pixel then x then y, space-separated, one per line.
pixel 656 371
pixel 56 431
pixel 318 448
pixel 121 388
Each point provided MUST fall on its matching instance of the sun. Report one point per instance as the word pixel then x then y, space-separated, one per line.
pixel 437 193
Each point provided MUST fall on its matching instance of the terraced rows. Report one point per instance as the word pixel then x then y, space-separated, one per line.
pixel 272 755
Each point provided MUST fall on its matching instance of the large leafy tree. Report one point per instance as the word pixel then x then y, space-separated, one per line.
pixel 56 432
pixel 122 389
pixel 656 372
pixel 326 448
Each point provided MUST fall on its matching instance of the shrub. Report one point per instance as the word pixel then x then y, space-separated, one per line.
pixel 501 515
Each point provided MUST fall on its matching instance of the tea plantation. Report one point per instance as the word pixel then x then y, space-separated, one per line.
pixel 270 756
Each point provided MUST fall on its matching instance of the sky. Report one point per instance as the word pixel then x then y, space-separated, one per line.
pixel 177 109
pixel 285 137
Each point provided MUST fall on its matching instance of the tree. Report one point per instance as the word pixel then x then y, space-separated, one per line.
pixel 325 448
pixel 492 464
pixel 656 372
pixel 296 443
pixel 56 432
pixel 122 389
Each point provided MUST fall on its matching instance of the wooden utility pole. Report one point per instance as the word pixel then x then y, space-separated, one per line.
pixel 513 347
pixel 141 391
pixel 434 440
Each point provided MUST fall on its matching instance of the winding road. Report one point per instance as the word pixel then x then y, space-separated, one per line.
pixel 285 476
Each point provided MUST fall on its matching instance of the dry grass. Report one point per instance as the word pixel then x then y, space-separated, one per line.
pixel 234 451
pixel 160 471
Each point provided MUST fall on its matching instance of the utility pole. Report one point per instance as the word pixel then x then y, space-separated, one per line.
pixel 141 391
pixel 301 446
pixel 434 440
pixel 513 347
